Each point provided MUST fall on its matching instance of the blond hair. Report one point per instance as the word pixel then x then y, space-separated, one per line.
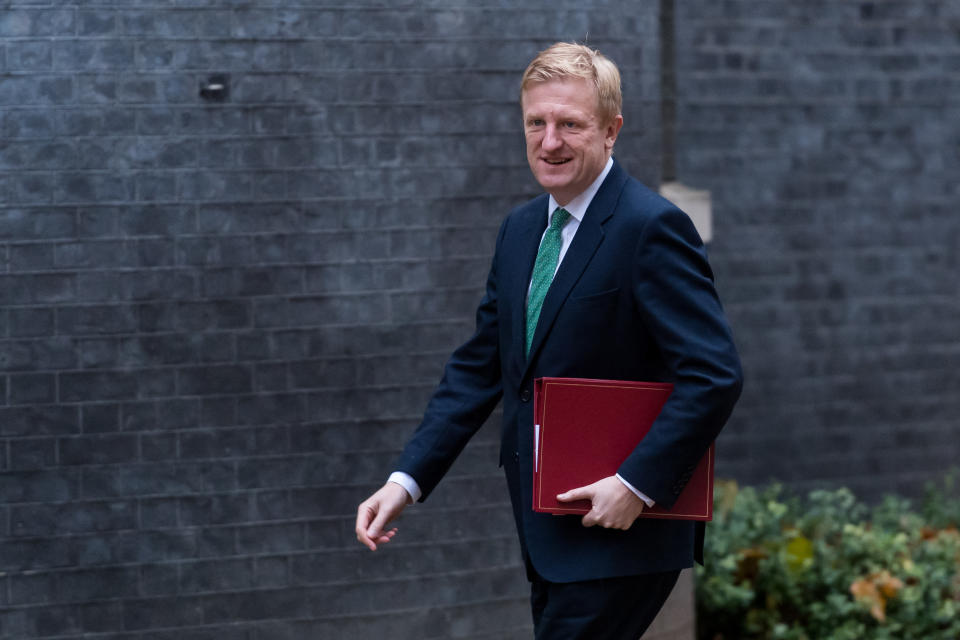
pixel 570 60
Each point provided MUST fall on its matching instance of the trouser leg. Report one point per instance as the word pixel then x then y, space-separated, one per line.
pixel 607 609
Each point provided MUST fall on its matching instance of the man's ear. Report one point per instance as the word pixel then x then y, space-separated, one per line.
pixel 613 130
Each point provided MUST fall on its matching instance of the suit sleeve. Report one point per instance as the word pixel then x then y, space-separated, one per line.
pixel 468 392
pixel 676 300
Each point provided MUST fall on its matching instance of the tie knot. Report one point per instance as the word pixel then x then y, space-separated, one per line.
pixel 560 217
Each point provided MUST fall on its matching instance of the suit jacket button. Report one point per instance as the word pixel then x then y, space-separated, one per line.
pixel 525 395
pixel 516 456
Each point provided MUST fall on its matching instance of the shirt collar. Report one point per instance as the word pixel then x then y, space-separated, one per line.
pixel 577 207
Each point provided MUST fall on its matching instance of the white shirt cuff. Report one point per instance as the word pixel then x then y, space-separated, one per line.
pixel 406 481
pixel 632 488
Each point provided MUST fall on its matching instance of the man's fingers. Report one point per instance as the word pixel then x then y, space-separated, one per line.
pixel 376 531
pixel 376 512
pixel 372 533
pixel 365 513
pixel 386 536
pixel 580 493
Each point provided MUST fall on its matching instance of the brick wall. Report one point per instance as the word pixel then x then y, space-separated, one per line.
pixel 220 320
pixel 828 135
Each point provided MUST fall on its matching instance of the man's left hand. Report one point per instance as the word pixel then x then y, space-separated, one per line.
pixel 613 505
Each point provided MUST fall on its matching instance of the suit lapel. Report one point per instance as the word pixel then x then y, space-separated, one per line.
pixel 584 246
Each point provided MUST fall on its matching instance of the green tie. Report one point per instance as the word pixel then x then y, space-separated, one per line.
pixel 543 270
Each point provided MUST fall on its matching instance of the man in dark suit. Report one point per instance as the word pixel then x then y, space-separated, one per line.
pixel 597 278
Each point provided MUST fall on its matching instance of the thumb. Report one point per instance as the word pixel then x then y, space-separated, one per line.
pixel 379 523
pixel 580 493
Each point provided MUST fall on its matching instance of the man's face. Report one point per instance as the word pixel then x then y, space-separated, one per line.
pixel 568 142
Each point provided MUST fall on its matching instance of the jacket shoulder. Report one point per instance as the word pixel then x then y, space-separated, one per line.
pixel 643 200
pixel 534 206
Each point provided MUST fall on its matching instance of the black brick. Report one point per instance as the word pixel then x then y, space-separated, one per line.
pixel 98 584
pixel 97 386
pixel 32 453
pixel 215 380
pixel 154 613
pixel 97 319
pixel 160 580
pixel 98 449
pixel 37 388
pixel 40 420
pixel 21 555
pixel 75 517
pixel 38 486
pixel 160 513
pixel 33 589
pixel 102 617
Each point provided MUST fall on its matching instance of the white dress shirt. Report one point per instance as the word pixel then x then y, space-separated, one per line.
pixel 577 208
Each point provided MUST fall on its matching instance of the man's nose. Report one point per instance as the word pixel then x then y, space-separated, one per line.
pixel 551 138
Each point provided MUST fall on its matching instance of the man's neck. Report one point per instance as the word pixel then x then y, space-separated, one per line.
pixel 578 206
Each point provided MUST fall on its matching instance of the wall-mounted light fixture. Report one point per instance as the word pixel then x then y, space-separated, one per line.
pixel 215 88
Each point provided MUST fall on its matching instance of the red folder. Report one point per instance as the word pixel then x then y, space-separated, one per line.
pixel 584 429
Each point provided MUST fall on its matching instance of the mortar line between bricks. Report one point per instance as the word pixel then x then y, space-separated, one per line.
pixel 241 202
pixel 241 625
pixel 393 612
pixel 259 137
pixel 294 231
pixel 390 167
pixel 324 72
pixel 930 298
pixel 877 25
pixel 383 450
pixel 328 519
pixel 299 392
pixel 860 74
pixel 357 548
pixel 438 574
pixel 238 527
pixel 890 49
pixel 248 202
pixel 290 103
pixel 797 103
pixel 291 554
pixel 786 405
pixel 441 353
pixel 302 39
pixel 133 498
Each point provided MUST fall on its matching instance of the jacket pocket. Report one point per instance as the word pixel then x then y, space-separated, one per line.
pixel 598 298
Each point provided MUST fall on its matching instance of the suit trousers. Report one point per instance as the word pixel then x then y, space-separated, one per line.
pixel 607 609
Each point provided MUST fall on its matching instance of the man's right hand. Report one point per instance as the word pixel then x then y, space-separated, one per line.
pixel 379 510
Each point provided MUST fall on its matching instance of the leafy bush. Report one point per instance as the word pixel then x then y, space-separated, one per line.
pixel 830 568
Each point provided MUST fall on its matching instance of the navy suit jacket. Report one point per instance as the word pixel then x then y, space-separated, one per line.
pixel 633 299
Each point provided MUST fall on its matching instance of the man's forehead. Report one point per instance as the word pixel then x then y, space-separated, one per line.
pixel 562 99
pixel 551 107
pixel 559 82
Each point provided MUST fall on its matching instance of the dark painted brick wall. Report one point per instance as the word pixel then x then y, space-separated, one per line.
pixel 828 135
pixel 219 321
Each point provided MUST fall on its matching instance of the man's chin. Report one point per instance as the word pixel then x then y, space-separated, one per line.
pixel 553 179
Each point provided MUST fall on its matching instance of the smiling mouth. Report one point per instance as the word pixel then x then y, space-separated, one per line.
pixel 556 162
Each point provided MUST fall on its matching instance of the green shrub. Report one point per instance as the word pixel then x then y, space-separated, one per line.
pixel 829 568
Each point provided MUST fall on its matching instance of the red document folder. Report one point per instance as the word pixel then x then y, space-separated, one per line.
pixel 584 429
